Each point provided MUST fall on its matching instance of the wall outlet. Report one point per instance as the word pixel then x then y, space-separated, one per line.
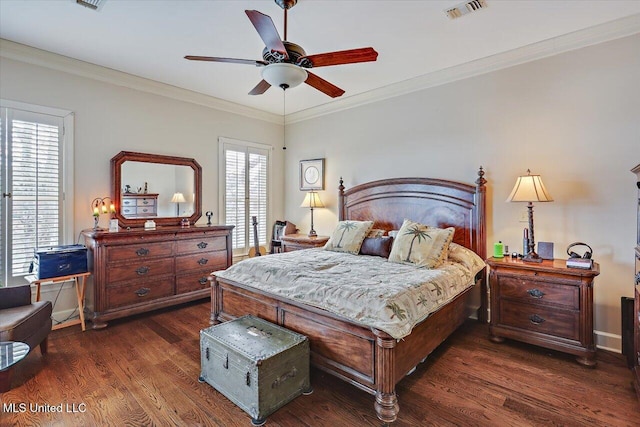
pixel 524 216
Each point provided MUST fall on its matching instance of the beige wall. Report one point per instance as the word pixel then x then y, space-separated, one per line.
pixel 110 118
pixel 574 118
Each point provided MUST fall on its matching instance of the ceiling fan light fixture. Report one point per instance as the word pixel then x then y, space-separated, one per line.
pixel 284 75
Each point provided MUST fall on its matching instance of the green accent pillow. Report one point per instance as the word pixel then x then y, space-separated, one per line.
pixel 421 245
pixel 348 236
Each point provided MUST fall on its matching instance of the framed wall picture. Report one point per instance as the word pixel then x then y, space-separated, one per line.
pixel 312 174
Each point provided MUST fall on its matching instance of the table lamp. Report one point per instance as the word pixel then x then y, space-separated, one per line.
pixel 177 199
pixel 529 188
pixel 311 201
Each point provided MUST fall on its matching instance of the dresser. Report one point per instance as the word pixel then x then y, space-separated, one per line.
pixel 138 205
pixel 296 242
pixel 138 270
pixel 545 304
pixel 636 295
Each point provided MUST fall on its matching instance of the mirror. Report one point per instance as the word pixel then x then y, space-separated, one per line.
pixel 165 189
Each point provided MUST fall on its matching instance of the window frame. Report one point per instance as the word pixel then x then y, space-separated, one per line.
pixel 223 143
pixel 67 222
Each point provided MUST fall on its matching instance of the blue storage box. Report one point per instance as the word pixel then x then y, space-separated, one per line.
pixel 59 261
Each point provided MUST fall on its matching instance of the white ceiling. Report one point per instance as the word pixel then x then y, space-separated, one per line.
pixel 149 38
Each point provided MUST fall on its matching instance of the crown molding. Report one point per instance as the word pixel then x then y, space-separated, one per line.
pixel 43 58
pixel 590 36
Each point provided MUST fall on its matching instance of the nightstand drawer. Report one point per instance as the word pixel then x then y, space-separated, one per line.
pixel 546 320
pixel 540 292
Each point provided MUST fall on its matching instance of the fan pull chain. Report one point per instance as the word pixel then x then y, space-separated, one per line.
pixel 284 121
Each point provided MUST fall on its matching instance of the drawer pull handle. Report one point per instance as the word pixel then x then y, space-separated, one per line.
pixel 203 261
pixel 225 364
pixel 638 279
pixel 248 379
pixel 142 252
pixel 142 270
pixel 142 292
pixel 207 354
pixel 535 319
pixel 202 280
pixel 535 293
pixel 203 245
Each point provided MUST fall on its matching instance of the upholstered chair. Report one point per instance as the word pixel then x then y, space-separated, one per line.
pixel 24 321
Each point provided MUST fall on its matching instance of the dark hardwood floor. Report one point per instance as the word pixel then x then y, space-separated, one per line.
pixel 143 371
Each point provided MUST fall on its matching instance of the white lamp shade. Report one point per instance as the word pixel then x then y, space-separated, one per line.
pixel 178 198
pixel 529 188
pixel 285 74
pixel 312 200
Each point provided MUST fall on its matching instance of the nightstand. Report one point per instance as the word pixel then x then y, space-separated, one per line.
pixel 545 304
pixel 296 242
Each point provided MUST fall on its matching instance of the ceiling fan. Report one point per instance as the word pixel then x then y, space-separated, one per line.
pixel 285 63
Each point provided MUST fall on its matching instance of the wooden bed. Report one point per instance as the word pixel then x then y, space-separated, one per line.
pixel 372 360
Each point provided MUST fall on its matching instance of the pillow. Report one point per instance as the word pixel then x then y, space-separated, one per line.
pixel 421 245
pixel 348 236
pixel 377 246
pixel 465 256
pixel 376 232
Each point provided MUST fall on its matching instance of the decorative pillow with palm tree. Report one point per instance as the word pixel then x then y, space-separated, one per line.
pixel 421 245
pixel 348 236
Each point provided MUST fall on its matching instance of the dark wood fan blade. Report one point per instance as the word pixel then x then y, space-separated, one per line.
pixel 351 56
pixel 267 30
pixel 323 86
pixel 233 60
pixel 260 88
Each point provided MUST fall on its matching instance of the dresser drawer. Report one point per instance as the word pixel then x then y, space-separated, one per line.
pixel 204 244
pixel 143 250
pixel 145 210
pixel 128 211
pixel 140 292
pixel 139 270
pixel 192 282
pixel 546 320
pixel 539 292
pixel 146 202
pixel 210 261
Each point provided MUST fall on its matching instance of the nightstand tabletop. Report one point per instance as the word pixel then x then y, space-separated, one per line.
pixel 554 265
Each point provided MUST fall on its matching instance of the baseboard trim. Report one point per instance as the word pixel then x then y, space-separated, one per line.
pixel 608 341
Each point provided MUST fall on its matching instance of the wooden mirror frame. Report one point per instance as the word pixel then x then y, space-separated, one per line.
pixel 116 186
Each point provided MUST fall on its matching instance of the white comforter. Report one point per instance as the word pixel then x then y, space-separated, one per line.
pixel 367 290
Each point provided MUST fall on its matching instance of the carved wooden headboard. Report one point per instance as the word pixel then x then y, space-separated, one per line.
pixel 435 202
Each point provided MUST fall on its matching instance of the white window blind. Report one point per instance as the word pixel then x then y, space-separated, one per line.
pixel 245 184
pixel 31 163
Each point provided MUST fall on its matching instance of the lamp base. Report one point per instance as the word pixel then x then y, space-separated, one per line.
pixel 531 257
pixel 312 233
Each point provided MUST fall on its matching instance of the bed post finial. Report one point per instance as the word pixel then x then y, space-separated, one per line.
pixel 341 215
pixel 481 181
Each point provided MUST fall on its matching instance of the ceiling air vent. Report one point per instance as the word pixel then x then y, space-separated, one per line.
pixel 91 4
pixel 463 8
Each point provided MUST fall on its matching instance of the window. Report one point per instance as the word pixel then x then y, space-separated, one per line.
pixel 32 179
pixel 244 184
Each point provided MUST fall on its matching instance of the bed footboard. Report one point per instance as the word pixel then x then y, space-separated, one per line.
pixel 369 359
